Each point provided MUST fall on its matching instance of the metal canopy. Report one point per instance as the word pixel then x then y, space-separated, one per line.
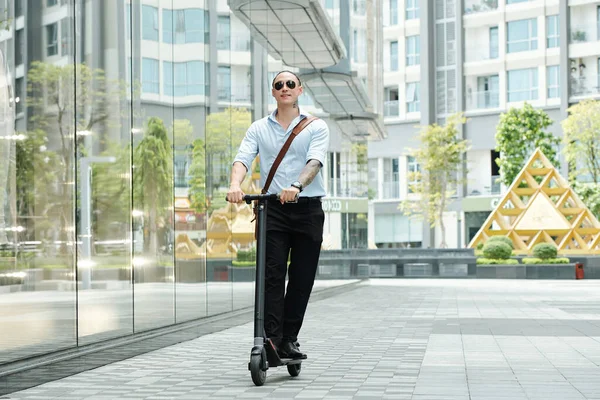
pixel 344 98
pixel 298 32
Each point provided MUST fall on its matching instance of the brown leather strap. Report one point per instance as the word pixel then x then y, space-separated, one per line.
pixel 297 129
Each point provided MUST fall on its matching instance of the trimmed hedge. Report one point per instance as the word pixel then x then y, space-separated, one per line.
pixel 545 251
pixel 493 261
pixel 236 263
pixel 497 250
pixel 501 239
pixel 534 260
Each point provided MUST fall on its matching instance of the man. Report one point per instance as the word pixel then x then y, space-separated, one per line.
pixel 295 222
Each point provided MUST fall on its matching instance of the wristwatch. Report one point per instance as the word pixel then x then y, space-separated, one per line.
pixel 297 185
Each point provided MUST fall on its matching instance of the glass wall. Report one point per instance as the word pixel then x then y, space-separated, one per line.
pixel 120 120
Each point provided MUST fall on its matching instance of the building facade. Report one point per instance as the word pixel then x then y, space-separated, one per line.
pixel 481 58
pixel 120 121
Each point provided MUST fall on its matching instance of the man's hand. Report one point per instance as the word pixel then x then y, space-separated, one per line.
pixel 289 195
pixel 235 194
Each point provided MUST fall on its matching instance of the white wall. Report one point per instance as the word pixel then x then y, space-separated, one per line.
pixel 332 231
pixel 450 224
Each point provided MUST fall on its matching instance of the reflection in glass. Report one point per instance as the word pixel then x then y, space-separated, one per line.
pixel 104 196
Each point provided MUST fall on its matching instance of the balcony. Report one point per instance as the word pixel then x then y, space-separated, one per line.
pixel 482 100
pixel 584 33
pixel 487 188
pixel 391 108
pixel 583 89
pixel 298 32
pixel 477 6
pixel 391 190
pixel 234 44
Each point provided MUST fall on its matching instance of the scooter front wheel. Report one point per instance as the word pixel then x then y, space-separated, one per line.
pixel 294 369
pixel 258 375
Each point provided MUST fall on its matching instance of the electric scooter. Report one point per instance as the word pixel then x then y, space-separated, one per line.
pixel 264 353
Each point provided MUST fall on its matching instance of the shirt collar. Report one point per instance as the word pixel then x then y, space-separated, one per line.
pixel 272 115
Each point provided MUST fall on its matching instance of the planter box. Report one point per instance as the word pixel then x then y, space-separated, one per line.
pixel 530 271
pixel 242 274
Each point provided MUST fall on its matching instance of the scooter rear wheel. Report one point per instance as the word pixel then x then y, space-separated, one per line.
pixel 294 369
pixel 258 375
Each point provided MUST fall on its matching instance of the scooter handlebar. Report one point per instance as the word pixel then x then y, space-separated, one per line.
pixel 248 198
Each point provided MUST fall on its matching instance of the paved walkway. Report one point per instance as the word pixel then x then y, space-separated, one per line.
pixel 396 339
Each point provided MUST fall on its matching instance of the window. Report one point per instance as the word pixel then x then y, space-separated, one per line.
pixel 329 4
pixel 412 97
pixel 183 79
pixel 412 50
pixel 494 51
pixel 224 83
pixel 18 8
pixel 150 75
pixel 553 78
pixel 149 23
pixel 521 35
pixel 488 95
pixel 393 12
pixel 223 32
pixel 391 178
pixel 391 108
pixel 515 1
pixel 394 56
pixel 359 7
pixel 187 26
pixel 553 31
pixel 523 84
pixel 19 95
pixel 19 46
pixel 51 3
pixel 51 40
pixel 412 9
pixel 412 168
pixel 65 40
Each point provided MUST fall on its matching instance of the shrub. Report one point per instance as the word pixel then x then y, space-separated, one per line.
pixel 243 263
pixel 545 251
pixel 247 255
pixel 497 250
pixel 479 246
pixel 534 260
pixel 501 239
pixel 491 261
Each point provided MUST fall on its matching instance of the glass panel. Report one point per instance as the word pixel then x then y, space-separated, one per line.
pixel 494 51
pixel 152 213
pixel 104 175
pixel 522 35
pixel 553 31
pixel 394 56
pixel 37 197
pixel 553 81
pixel 522 85
pixel 190 178
pixel 149 23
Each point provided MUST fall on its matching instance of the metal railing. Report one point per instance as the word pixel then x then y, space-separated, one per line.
pixel 585 33
pixel 391 190
pixel 482 100
pixel 472 7
pixel 582 89
pixel 391 108
pixel 493 187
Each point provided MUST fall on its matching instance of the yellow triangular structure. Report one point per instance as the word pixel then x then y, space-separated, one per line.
pixel 540 207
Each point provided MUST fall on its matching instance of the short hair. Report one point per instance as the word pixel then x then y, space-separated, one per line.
pixel 289 72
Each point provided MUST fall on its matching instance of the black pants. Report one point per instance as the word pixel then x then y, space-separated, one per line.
pixel 297 227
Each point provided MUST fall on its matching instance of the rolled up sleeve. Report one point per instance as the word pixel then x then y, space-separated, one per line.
pixel 248 148
pixel 319 142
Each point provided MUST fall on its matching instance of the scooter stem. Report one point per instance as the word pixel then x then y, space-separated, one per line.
pixel 259 294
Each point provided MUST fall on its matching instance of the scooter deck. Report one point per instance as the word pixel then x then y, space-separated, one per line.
pixel 275 360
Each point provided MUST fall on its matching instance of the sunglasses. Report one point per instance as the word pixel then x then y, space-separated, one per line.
pixel 279 85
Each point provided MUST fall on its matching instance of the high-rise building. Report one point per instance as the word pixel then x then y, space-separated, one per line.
pixel 480 57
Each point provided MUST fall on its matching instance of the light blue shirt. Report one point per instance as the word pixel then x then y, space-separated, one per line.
pixel 266 137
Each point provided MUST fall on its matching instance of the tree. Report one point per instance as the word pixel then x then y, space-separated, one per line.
pixel 54 104
pixel 582 150
pixel 440 157
pixel 213 155
pixel 519 132
pixel 153 176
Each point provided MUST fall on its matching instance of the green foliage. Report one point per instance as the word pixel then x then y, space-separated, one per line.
pixel 153 176
pixel 545 251
pixel 497 250
pixel 247 255
pixel 440 157
pixel 479 246
pixel 501 239
pixel 589 193
pixel 518 134
pixel 236 263
pixel 534 260
pixel 494 261
pixel 212 157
